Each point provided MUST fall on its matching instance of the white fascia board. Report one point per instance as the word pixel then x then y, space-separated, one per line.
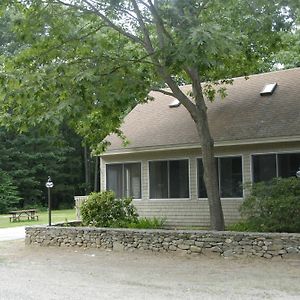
pixel 195 146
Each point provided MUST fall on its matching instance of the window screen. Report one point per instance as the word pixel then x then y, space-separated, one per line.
pixel 288 164
pixel 169 179
pixel 124 179
pixel 230 177
pixel 264 167
pixel 158 179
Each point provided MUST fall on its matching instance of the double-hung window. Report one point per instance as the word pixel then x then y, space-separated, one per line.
pixel 230 177
pixel 169 179
pixel 268 166
pixel 124 179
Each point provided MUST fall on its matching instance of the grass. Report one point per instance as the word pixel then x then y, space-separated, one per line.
pixel 56 216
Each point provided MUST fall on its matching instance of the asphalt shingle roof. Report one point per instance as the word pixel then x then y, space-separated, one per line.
pixel 243 115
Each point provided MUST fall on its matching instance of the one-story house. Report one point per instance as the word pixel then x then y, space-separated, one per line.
pixel 256 130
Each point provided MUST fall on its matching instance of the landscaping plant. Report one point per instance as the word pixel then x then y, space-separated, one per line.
pixel 104 210
pixel 272 206
pixel 148 223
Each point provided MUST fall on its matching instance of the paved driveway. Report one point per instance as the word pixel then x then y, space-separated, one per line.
pixel 15 233
pixel 28 272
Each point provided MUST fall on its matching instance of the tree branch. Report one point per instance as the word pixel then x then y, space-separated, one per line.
pixel 113 25
pixel 147 44
pixel 163 92
pixel 93 9
pixel 197 88
pixel 147 41
pixel 161 30
pixel 179 94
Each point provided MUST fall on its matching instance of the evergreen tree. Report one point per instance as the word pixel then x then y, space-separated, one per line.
pixel 9 197
pixel 30 158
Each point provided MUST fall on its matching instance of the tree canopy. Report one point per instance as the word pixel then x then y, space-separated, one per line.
pixel 69 69
pixel 70 66
pixel 289 54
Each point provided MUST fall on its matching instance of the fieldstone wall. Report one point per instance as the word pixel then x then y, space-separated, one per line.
pixel 225 244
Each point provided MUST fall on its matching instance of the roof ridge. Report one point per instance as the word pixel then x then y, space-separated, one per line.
pixel 243 77
pixel 266 73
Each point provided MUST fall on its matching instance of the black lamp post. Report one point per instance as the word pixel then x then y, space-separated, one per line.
pixel 49 185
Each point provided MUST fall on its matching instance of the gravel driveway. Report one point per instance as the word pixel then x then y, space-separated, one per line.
pixel 14 233
pixel 28 272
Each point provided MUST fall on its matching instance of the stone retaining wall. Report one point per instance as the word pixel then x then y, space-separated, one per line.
pixel 226 244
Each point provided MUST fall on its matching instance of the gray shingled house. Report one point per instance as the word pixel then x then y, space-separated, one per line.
pixel 256 129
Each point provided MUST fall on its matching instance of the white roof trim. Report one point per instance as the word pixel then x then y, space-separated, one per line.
pixel 195 146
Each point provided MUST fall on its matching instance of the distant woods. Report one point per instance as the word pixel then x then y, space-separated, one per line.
pixel 28 159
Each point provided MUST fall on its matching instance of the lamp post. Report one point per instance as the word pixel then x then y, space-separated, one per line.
pixel 49 185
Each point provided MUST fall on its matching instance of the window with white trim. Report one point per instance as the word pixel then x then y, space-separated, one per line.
pixel 268 166
pixel 124 179
pixel 230 177
pixel 169 179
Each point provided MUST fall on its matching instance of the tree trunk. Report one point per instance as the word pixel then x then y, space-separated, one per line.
pixel 96 175
pixel 199 115
pixel 210 175
pixel 87 171
pixel 198 112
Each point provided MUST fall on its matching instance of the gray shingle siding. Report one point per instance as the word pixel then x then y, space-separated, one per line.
pixel 193 211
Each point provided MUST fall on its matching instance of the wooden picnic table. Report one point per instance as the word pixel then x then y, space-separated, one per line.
pixel 17 215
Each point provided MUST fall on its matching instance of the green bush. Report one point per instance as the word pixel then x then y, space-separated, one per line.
pixel 241 226
pixel 104 210
pixel 273 206
pixel 9 196
pixel 148 223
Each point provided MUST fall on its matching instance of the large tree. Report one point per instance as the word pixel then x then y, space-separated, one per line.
pixel 29 158
pixel 90 60
pixel 69 69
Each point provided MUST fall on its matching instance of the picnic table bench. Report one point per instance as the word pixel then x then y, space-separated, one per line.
pixel 30 214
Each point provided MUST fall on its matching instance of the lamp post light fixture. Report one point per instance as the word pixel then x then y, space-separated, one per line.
pixel 49 185
pixel 298 173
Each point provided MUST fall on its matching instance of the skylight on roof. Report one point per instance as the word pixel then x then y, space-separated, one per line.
pixel 174 103
pixel 268 89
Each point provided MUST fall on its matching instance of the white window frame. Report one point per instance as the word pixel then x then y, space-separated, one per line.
pixel 125 162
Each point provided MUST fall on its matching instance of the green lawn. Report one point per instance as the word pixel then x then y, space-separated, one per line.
pixel 56 216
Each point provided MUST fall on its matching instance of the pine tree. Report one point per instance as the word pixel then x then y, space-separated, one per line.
pixel 30 158
pixel 9 197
